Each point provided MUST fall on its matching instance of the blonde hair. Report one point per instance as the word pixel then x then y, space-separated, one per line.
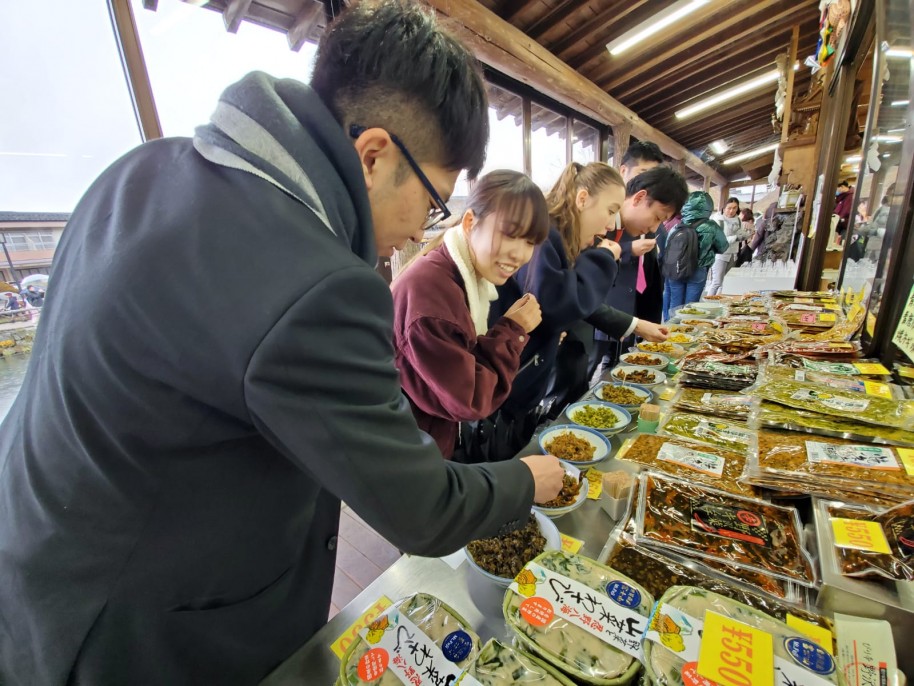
pixel 563 209
pixel 510 194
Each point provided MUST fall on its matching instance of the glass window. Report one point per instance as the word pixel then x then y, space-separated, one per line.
pixel 506 131
pixel 68 111
pixel 547 142
pixel 191 58
pixel 586 145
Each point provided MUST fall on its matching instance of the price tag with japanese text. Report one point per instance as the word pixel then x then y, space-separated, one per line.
pixel 734 653
pixel 341 644
pixel 860 535
pixel 612 616
pixel 594 483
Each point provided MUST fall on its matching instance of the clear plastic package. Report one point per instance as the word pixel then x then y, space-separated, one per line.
pixel 715 402
pixel 869 559
pixel 499 664
pixel 709 465
pixel 698 521
pixel 709 431
pixel 674 639
pixel 582 617
pixel 443 631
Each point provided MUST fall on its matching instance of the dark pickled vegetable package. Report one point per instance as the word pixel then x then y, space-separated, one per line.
pixel 874 544
pixel 700 521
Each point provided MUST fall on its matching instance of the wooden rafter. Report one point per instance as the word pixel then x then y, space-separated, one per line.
pixel 303 23
pixel 548 21
pixel 599 22
pixel 234 14
pixel 512 8
pixel 152 5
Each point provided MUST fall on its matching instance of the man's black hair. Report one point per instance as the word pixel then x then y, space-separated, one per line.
pixel 662 184
pixel 846 184
pixel 642 151
pixel 388 63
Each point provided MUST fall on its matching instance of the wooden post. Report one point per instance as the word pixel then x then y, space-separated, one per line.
pixel 680 166
pixel 788 100
pixel 707 185
pixel 622 136
pixel 304 20
pixel 752 201
pixel 128 43
pixel 569 140
pixel 527 124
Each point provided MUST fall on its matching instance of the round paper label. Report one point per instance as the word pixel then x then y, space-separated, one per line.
pixel 373 664
pixel 537 611
pixel 623 594
pixel 457 645
pixel 810 655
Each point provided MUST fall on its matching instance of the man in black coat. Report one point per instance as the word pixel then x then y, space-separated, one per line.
pixel 171 472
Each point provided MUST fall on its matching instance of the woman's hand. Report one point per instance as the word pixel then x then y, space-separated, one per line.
pixel 526 313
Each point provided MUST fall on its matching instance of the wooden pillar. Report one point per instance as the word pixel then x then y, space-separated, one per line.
pixel 707 185
pixel 569 140
pixel 788 100
pixel 622 135
pixel 680 166
pixel 752 201
pixel 128 44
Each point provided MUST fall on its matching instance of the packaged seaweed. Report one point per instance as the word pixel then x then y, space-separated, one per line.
pixel 836 402
pixel 708 523
pixel 709 465
pixel 416 632
pixel 499 664
pixel 715 402
pixel 675 634
pixel 868 543
pixel 717 433
pixel 773 415
pixel 581 616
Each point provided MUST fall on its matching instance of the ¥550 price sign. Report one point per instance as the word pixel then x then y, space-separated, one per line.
pixel 735 654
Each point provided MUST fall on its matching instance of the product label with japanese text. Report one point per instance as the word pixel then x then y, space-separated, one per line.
pixel 600 615
pixel 868 456
pixel 829 400
pixel 730 522
pixel 831 367
pixel 400 647
pixel 719 430
pixel 692 459
pixel 741 402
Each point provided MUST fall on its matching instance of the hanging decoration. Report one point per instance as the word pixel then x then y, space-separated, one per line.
pixel 780 97
pixel 834 17
pixel 775 176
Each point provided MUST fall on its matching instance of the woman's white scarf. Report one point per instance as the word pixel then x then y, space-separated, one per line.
pixel 479 291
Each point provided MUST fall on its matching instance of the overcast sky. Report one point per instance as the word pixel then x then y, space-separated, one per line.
pixel 69 113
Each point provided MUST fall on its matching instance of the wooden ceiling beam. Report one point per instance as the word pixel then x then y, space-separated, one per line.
pixel 750 131
pixel 307 16
pixel 709 74
pixel 701 137
pixel 717 122
pixel 675 53
pixel 511 9
pixel 551 19
pixel 507 49
pixel 234 14
pixel 599 22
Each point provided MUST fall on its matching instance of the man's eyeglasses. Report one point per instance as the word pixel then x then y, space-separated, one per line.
pixel 439 212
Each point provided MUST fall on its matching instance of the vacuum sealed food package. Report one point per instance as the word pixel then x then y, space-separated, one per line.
pixel 699 521
pixel 419 631
pixel 718 468
pixel 836 402
pixel 776 416
pixel 846 366
pixel 715 402
pixel 703 370
pixel 582 617
pixel 830 467
pixel 710 431
pixel 499 664
pixel 673 642
pixel 773 371
pixel 867 543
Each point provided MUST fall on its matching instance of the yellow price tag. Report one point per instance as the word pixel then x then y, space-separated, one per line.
pixel 827 317
pixel 870 323
pixel 860 535
pixel 594 483
pixel 668 393
pixel 907 459
pixel 735 654
pixel 876 388
pixel 341 645
pixel 819 634
pixel 871 368
pixel 571 545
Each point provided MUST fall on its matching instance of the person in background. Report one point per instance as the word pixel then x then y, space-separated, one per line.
pixel 764 225
pixel 453 366
pixel 696 212
pixel 874 230
pixel 638 277
pixel 172 475
pixel 844 200
pixel 733 230
pixel 668 226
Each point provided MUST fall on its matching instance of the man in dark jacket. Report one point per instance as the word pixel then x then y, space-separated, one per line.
pixel 172 473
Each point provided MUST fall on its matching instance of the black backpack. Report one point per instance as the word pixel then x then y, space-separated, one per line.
pixel 680 258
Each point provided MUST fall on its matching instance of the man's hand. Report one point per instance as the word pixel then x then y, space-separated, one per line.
pixel 612 246
pixel 642 246
pixel 526 312
pixel 651 332
pixel 548 476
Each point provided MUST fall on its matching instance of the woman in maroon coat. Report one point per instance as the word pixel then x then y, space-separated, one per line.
pixel 453 366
